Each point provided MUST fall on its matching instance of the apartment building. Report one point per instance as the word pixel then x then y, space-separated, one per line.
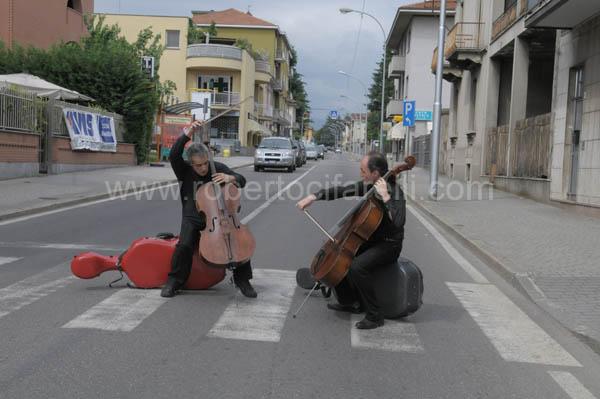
pixel 54 21
pixel 524 106
pixel 412 36
pixel 254 82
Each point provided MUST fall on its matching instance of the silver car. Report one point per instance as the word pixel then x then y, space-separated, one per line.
pixel 312 152
pixel 275 152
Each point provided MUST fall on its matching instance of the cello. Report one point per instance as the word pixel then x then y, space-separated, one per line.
pixel 225 242
pixel 332 262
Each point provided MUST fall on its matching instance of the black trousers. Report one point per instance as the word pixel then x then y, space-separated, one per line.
pixel 359 278
pixel 189 237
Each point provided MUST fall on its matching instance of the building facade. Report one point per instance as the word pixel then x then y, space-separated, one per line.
pixel 523 97
pixel 54 21
pixel 253 81
pixel 412 36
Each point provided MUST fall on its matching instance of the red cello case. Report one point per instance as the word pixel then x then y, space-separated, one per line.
pixel 147 264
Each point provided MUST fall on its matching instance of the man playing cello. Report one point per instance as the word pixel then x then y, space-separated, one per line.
pixel 192 175
pixel 383 247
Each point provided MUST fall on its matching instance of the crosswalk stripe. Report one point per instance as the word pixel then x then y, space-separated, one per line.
pixel 571 385
pixel 394 336
pixel 514 335
pixel 30 289
pixel 260 319
pixel 4 260
pixel 122 311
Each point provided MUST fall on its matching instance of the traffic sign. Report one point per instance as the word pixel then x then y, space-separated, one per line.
pixel 409 113
pixel 423 116
pixel 333 114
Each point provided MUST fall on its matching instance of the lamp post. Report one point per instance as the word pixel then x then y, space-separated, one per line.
pixel 382 112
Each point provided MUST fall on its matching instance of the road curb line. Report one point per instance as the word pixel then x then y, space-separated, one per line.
pixel 513 278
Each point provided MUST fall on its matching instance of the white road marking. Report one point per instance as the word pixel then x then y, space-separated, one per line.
pixel 261 208
pixel 30 289
pixel 458 258
pixel 571 385
pixel 514 335
pixel 5 260
pixel 122 311
pixel 259 319
pixel 393 336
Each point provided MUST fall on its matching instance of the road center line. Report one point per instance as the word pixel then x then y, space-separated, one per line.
pixel 261 208
pixel 4 260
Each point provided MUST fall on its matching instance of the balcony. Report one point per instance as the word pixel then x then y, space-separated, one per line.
pixel 450 73
pixel 510 16
pixel 279 56
pixel 396 66
pixel 214 51
pixel 225 98
pixel 263 111
pixel 276 84
pixel 559 14
pixel 394 107
pixel 464 44
pixel 281 117
pixel 263 66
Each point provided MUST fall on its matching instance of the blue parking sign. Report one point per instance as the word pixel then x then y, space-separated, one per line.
pixel 408 118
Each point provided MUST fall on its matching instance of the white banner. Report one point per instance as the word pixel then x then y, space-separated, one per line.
pixel 204 98
pixel 90 131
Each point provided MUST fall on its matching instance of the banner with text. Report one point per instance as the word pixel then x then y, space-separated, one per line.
pixel 90 131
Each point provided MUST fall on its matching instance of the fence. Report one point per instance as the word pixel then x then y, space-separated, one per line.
pixel 531 148
pixel 21 110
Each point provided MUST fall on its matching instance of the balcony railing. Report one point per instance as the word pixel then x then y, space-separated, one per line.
pixel 263 110
pixel 214 51
pixel 397 65
pixel 510 16
pixel 263 66
pixel 464 36
pixel 277 85
pixel 279 55
pixel 281 116
pixel 227 98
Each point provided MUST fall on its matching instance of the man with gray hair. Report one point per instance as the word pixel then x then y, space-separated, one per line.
pixel 191 175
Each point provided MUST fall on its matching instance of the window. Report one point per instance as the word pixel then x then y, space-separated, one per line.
pixel 473 103
pixel 75 5
pixel 453 142
pixel 452 171
pixel 468 172
pixel 172 39
pixel 470 139
pixel 408 43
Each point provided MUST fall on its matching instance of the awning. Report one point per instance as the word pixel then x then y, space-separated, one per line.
pixel 255 127
pixel 397 132
pixel 41 87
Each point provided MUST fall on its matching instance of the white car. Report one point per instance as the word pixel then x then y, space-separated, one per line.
pixel 338 150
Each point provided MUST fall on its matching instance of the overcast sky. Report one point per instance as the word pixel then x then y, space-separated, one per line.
pixel 324 39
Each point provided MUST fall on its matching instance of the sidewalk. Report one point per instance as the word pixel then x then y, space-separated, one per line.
pixel 19 197
pixel 551 253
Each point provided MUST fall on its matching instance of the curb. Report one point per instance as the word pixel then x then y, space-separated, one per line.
pixel 521 282
pixel 83 200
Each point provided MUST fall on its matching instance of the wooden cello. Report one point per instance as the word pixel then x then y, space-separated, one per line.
pixel 225 242
pixel 331 263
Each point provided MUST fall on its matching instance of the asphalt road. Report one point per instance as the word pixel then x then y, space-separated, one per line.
pixel 474 337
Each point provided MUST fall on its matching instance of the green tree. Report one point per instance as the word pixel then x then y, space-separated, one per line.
pixel 374 106
pixel 329 131
pixel 298 89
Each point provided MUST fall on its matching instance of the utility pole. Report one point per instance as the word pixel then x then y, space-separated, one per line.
pixel 437 105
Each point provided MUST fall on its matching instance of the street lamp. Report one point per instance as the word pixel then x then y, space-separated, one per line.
pixel 345 10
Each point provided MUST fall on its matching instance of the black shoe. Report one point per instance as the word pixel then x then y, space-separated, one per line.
pixel 169 290
pixel 366 324
pixel 344 308
pixel 246 288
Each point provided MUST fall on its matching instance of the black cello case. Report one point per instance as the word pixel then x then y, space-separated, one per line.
pixel 398 287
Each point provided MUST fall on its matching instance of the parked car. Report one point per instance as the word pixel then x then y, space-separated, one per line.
pixel 275 152
pixel 312 152
pixel 321 150
pixel 338 150
pixel 300 152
